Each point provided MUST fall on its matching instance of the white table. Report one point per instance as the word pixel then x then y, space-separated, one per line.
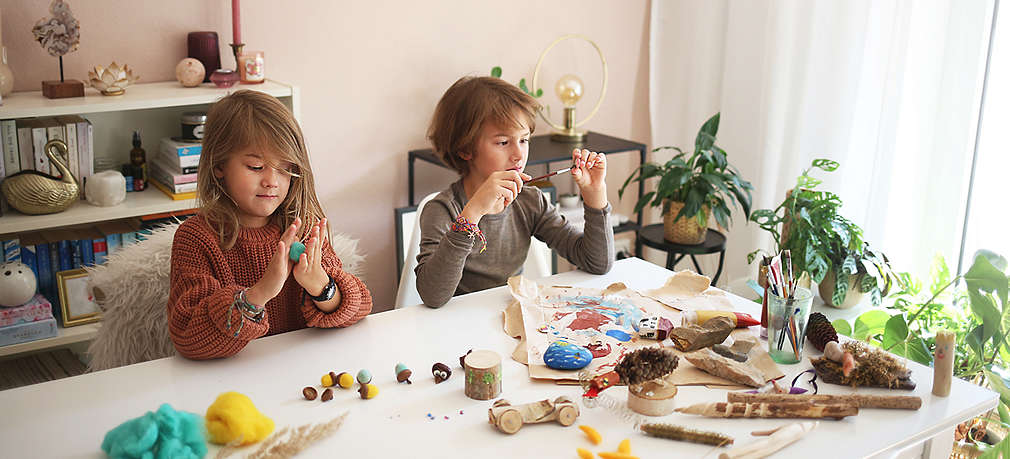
pixel 69 417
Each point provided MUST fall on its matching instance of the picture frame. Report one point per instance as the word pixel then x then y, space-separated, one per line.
pixel 77 304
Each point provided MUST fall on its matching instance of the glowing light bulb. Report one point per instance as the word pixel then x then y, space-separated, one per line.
pixel 569 90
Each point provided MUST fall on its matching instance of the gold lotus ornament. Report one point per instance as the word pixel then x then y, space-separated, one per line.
pixel 112 80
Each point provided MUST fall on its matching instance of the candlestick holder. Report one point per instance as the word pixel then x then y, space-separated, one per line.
pixel 236 49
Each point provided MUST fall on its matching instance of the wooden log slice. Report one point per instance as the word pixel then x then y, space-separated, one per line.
pixel 483 375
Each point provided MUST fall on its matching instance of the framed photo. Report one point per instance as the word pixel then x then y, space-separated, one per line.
pixel 76 300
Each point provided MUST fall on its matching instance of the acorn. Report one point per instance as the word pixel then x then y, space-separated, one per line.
pixel 441 372
pixel 309 393
pixel 345 380
pixel 364 377
pixel 368 391
pixel 820 331
pixel 402 373
pixel 329 379
pixel 327 395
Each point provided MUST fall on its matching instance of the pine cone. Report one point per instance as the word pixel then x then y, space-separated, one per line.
pixel 820 331
pixel 646 364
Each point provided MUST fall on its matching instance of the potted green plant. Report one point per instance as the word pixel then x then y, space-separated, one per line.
pixel 825 245
pixel 693 186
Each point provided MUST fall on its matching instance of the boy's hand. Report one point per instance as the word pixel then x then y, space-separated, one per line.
pixel 277 271
pixel 494 195
pixel 309 271
pixel 590 172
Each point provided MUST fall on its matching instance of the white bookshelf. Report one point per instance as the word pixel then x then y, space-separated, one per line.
pixel 154 109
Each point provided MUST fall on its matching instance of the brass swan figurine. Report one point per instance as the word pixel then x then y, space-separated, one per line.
pixel 34 193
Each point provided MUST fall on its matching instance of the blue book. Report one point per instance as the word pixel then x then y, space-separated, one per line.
pixel 11 249
pixel 87 252
pixel 129 238
pixel 76 256
pixel 28 258
pixel 64 256
pixel 100 249
pixel 113 242
pixel 28 331
pixel 44 260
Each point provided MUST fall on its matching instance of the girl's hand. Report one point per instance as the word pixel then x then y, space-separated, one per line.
pixel 494 195
pixel 309 271
pixel 277 271
pixel 589 171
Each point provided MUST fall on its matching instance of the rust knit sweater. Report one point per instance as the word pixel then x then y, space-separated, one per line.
pixel 206 278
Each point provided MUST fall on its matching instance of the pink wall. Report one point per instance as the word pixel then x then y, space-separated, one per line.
pixel 369 73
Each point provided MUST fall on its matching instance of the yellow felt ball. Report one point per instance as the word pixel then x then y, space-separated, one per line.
pixel 233 416
pixel 346 380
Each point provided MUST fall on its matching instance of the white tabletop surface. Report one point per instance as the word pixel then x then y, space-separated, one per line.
pixel 69 417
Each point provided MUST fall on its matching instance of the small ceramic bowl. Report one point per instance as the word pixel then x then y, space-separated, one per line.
pixel 224 78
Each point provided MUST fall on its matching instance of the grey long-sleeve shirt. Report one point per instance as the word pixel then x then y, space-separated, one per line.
pixel 450 263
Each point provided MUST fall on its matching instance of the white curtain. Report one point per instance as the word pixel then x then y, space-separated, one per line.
pixel 888 88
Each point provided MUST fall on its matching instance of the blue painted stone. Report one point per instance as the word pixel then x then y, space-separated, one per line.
pixel 619 335
pixel 562 355
pixel 297 249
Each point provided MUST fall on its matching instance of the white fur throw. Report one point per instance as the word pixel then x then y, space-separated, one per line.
pixel 132 290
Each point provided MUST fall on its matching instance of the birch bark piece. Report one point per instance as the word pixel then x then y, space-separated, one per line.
pixel 770 410
pixel 943 363
pixel 782 437
pixel 694 337
pixel 483 375
pixel 896 402
pixel 652 398
pixel 710 362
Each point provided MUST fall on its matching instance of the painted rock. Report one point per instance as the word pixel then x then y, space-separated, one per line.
pixel 562 355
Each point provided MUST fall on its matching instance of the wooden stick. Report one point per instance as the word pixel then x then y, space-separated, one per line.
pixel 771 410
pixel 943 363
pixel 778 439
pixel 895 402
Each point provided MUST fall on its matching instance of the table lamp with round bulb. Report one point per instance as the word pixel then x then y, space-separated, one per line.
pixel 569 89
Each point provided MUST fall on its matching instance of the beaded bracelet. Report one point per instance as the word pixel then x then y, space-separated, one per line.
pixel 462 225
pixel 246 309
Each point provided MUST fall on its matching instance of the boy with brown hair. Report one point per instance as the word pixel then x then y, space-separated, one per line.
pixel 476 234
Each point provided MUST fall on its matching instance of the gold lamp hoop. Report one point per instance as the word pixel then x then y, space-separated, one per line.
pixel 570 130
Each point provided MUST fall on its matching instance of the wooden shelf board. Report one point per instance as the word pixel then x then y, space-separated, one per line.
pixel 26 104
pixel 149 201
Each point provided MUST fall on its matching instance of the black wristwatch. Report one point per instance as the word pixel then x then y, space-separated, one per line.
pixel 328 292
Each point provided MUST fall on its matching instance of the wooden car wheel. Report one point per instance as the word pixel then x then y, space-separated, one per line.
pixel 510 421
pixel 567 415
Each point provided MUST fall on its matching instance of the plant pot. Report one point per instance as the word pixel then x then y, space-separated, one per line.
pixel 827 287
pixel 685 230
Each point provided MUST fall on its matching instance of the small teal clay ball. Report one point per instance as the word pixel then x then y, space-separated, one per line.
pixel 364 377
pixel 297 249
pixel 562 355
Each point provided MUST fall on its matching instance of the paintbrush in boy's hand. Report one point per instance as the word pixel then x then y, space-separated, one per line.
pixel 552 174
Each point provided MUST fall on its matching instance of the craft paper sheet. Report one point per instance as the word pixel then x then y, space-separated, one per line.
pixel 605 321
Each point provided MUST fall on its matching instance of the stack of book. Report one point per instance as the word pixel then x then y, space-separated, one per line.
pixel 173 168
pixel 29 322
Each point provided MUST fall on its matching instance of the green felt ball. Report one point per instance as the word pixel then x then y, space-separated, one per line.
pixel 297 249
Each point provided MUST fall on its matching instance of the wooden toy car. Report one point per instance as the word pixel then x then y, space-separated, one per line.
pixel 510 419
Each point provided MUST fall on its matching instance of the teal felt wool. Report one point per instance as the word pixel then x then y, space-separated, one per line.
pixel 297 249
pixel 155 435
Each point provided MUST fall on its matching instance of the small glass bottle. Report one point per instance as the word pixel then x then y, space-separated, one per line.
pixel 138 159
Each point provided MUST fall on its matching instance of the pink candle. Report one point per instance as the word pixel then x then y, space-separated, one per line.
pixel 236 23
